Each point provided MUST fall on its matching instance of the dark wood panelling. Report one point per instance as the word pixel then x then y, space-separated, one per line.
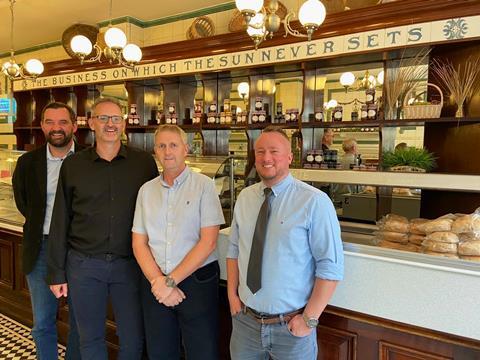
pixel 389 351
pixel 7 265
pixel 335 344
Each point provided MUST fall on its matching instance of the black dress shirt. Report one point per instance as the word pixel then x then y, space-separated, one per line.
pixel 95 204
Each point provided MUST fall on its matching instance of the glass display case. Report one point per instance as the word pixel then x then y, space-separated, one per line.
pixel 8 210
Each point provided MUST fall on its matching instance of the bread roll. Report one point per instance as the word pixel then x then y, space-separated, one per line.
pixel 392 236
pixel 474 236
pixel 467 223
pixel 416 239
pixel 448 255
pixel 415 226
pixel 443 236
pixel 393 222
pixel 469 248
pixel 436 225
pixel 470 258
pixel 436 246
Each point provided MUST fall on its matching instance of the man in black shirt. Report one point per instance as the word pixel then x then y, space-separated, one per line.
pixel 90 248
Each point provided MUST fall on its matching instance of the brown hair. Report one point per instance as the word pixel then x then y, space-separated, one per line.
pixel 59 105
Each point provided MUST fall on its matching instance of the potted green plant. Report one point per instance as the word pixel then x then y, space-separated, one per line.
pixel 410 159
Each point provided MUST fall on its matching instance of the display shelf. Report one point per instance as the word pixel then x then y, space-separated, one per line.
pixel 452 182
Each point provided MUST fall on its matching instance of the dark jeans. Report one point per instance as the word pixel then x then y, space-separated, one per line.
pixel 44 308
pixel 91 282
pixel 195 319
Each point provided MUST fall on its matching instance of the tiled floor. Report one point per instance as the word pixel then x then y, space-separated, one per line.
pixel 16 341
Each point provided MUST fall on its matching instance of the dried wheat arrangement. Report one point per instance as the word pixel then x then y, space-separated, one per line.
pixel 461 81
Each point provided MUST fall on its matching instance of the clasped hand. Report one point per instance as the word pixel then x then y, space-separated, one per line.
pixel 165 295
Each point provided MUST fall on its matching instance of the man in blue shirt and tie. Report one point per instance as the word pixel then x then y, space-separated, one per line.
pixel 284 260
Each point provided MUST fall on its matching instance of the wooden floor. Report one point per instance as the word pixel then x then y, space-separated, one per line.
pixel 16 342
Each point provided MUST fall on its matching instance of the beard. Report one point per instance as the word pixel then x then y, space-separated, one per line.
pixel 59 142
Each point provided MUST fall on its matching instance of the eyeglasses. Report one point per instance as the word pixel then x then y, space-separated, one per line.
pixel 116 119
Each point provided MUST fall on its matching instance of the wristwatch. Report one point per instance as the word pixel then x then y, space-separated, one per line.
pixel 310 322
pixel 170 282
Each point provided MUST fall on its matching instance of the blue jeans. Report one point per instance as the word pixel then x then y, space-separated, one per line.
pixel 44 308
pixel 195 319
pixel 251 340
pixel 91 282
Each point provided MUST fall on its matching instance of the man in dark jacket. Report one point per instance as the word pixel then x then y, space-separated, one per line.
pixel 34 185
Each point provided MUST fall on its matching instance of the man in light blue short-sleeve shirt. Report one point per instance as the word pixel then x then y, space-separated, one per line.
pixel 301 264
pixel 175 230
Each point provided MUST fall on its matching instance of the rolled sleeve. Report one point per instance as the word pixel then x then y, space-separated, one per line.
pixel 232 251
pixel 325 240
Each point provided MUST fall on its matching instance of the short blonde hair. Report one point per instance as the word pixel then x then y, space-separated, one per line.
pixel 172 128
pixel 349 144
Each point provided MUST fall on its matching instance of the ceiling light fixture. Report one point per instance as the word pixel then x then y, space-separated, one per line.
pixel 311 15
pixel 11 69
pixel 117 49
pixel 347 79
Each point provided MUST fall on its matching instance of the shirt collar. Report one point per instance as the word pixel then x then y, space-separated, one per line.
pixel 278 188
pixel 179 179
pixel 69 152
pixel 121 153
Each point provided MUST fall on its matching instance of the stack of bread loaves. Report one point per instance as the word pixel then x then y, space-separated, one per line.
pixel 440 239
pixel 393 233
pixel 467 228
pixel 416 234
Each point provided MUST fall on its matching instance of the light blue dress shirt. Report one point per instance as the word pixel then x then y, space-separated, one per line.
pixel 53 170
pixel 172 216
pixel 303 243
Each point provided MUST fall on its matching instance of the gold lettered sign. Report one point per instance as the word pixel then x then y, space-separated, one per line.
pixel 408 35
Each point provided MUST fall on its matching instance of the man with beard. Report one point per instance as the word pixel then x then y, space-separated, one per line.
pixel 34 185
pixel 90 252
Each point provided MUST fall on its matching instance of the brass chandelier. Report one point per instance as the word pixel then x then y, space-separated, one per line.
pixel 263 21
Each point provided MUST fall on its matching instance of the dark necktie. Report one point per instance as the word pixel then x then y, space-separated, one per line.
pixel 254 272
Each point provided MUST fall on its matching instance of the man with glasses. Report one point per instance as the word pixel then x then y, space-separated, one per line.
pixel 90 249
pixel 34 185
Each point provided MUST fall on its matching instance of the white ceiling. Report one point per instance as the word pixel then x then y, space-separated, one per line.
pixel 43 21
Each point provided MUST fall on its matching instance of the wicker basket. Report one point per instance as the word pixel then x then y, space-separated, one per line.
pixel 201 27
pixel 429 111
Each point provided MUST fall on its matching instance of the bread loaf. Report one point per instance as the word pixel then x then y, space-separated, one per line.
pixel 466 223
pixel 448 255
pixel 392 236
pixel 393 222
pixel 470 258
pixel 415 226
pixel 436 246
pixel 443 236
pixel 469 248
pixel 469 236
pixel 416 239
pixel 436 225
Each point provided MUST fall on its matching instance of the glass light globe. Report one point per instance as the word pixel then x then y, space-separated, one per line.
pixel 132 53
pixel 115 38
pixel 381 77
pixel 312 12
pixel 347 79
pixel 252 32
pixel 243 89
pixel 372 82
pixel 258 20
pixel 80 44
pixel 249 5
pixel 34 67
pixel 332 103
pixel 10 68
